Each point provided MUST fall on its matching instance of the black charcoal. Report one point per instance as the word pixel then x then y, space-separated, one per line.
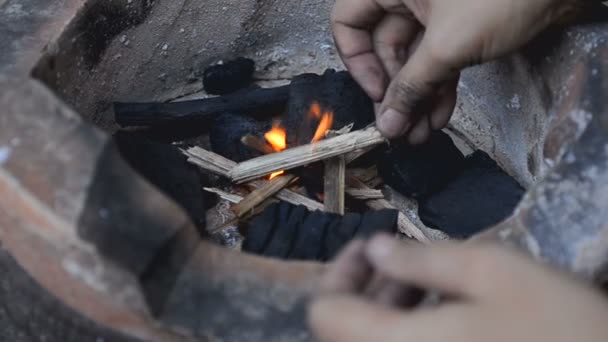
pixel 283 240
pixel 480 197
pixel 339 232
pixel 299 234
pixel 333 91
pixel 259 103
pixel 261 229
pixel 227 131
pixel 222 79
pixel 310 236
pixel 419 171
pixel 381 221
pixel 167 168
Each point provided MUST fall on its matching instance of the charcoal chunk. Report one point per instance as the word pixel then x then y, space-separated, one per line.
pixel 229 77
pixel 292 232
pixel 259 103
pixel 339 232
pixel 226 134
pixel 285 234
pixel 164 166
pixel 480 197
pixel 381 221
pixel 261 230
pixel 333 91
pixel 310 237
pixel 419 171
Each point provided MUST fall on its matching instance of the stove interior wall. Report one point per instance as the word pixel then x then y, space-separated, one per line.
pixel 142 50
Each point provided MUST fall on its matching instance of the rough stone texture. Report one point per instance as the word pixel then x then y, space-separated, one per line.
pixel 49 156
pixel 508 107
pixel 562 220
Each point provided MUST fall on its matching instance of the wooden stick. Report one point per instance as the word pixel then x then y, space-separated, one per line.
pixel 232 198
pixel 306 154
pixel 364 194
pixel 404 224
pixel 221 166
pixel 209 161
pixel 334 184
pixel 363 175
pixel 261 194
pixel 297 199
pixel 375 182
pixel 256 144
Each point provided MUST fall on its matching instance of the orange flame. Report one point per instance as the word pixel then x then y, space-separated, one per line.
pixel 276 174
pixel 277 138
pixel 326 121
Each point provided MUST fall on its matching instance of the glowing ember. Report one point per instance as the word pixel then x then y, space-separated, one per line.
pixel 275 175
pixel 315 110
pixel 277 138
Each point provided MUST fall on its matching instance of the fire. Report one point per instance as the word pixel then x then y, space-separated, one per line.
pixel 277 138
pixel 326 121
pixel 276 174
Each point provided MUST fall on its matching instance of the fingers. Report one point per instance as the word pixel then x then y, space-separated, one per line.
pixel 451 269
pixel 349 318
pixel 440 117
pixel 392 37
pixel 349 273
pixel 352 24
pixel 391 293
pixel 434 119
pixel 421 131
pixel 410 93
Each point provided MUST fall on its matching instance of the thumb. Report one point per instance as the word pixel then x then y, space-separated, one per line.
pixel 353 319
pixel 454 269
pixel 410 93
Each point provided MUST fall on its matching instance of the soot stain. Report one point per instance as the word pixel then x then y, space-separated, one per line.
pixel 104 20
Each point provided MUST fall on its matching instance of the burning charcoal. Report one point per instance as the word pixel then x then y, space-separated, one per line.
pixel 333 91
pixel 302 235
pixel 282 241
pixel 166 167
pixel 381 221
pixel 418 171
pixel 229 77
pixel 339 232
pixel 310 237
pixel 481 196
pixel 228 129
pixel 261 229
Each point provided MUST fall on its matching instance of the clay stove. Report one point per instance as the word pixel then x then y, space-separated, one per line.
pixel 117 251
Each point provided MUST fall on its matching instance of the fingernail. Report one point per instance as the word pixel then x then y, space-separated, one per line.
pixel 392 123
pixel 380 247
